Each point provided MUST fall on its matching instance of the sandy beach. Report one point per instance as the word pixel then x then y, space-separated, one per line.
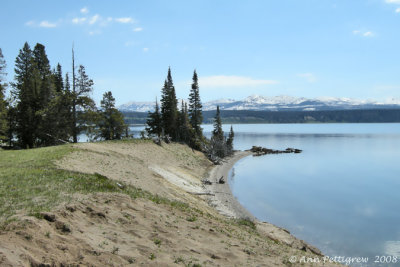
pixel 222 198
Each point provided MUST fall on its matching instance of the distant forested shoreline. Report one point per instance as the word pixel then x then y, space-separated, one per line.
pixel 251 116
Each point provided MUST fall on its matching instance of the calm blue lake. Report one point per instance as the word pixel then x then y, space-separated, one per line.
pixel 341 194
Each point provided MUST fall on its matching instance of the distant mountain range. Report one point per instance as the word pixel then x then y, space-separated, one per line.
pixel 280 103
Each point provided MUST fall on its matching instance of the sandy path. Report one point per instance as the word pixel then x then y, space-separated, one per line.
pixel 223 199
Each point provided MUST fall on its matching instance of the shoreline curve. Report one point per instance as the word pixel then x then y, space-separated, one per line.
pixel 222 198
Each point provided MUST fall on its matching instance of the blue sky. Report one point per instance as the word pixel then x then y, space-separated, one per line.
pixel 308 48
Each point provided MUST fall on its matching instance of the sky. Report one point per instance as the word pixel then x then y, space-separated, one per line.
pixel 301 48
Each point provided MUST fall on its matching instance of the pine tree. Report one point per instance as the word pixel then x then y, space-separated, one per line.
pixel 60 108
pixel 154 122
pixel 83 107
pixel 111 124
pixel 217 133
pixel 65 109
pixel 185 130
pixel 58 79
pixel 195 107
pixel 169 111
pixel 218 144
pixel 3 103
pixel 44 85
pixel 229 141
pixel 42 64
pixel 25 90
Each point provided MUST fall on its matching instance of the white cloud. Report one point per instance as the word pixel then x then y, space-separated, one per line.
pixel 232 81
pixel 79 20
pixel 146 49
pixel 43 24
pixel 94 19
pixel 84 10
pixel 393 2
pixel 124 20
pixel 309 77
pixel 364 33
pixel 46 24
pixel 138 29
pixel 396 2
pixel 368 34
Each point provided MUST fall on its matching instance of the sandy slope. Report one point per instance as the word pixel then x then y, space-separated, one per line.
pixel 115 230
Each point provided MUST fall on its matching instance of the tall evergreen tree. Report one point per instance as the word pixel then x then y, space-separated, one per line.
pixel 154 122
pixel 60 108
pixel 217 131
pixel 26 92
pixel 42 65
pixel 185 130
pixel 218 144
pixel 195 107
pixel 229 141
pixel 111 123
pixel 58 79
pixel 3 106
pixel 44 85
pixel 83 107
pixel 65 108
pixel 169 110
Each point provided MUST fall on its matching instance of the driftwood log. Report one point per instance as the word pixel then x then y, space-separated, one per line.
pixel 259 151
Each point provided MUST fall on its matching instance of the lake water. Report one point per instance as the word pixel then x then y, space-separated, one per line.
pixel 341 194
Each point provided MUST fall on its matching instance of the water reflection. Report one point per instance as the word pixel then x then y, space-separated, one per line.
pixel 340 194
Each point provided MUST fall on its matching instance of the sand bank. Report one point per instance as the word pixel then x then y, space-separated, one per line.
pixel 222 198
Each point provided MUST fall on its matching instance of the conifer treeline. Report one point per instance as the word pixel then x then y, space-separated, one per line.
pixel 170 124
pixel 45 108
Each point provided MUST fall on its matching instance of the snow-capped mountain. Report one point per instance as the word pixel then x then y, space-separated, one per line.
pixel 279 103
pixel 137 106
pixel 144 106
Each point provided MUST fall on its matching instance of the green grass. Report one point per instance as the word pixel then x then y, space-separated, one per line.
pixel 246 222
pixel 30 182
